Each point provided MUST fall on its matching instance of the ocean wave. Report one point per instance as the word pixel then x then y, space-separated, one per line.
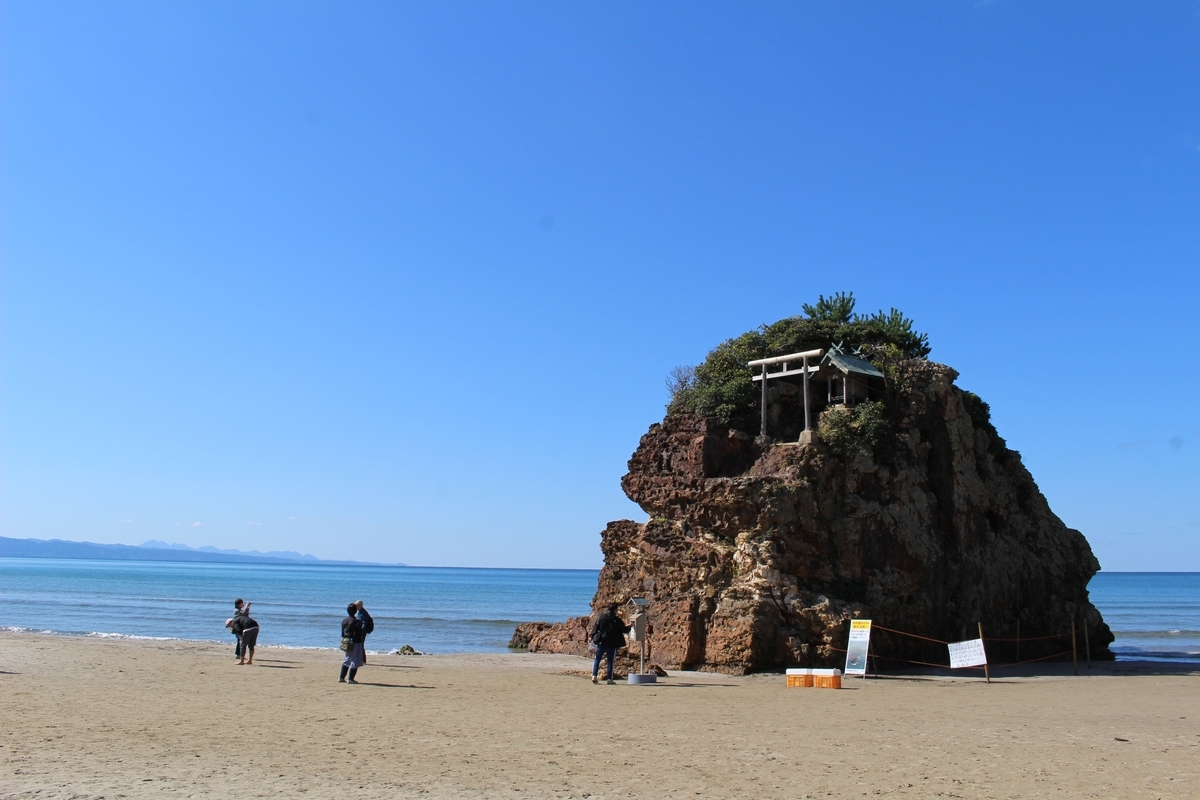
pixel 136 637
pixel 104 635
pixel 302 647
pixel 1155 654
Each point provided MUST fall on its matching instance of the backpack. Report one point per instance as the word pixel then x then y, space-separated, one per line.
pixel 607 632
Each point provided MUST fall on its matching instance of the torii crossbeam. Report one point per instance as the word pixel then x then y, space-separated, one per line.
pixel 805 370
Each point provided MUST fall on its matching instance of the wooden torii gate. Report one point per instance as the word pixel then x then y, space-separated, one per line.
pixel 805 370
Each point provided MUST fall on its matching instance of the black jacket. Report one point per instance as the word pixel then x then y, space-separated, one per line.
pixel 242 623
pixel 609 631
pixel 352 629
pixel 367 623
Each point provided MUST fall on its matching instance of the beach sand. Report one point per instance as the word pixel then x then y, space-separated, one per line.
pixel 91 718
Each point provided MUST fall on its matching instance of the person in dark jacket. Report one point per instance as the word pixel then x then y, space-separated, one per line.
pixel 368 625
pixel 240 609
pixel 246 629
pixel 352 629
pixel 608 634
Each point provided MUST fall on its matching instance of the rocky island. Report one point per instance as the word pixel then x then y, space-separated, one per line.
pixel 896 501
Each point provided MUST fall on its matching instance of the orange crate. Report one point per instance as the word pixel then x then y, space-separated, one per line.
pixel 827 678
pixel 801 676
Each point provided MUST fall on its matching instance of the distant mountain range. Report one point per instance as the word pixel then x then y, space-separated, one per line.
pixel 158 551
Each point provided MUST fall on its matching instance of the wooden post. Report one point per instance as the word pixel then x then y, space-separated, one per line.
pixel 986 672
pixel 1074 654
pixel 806 425
pixel 1087 646
pixel 763 428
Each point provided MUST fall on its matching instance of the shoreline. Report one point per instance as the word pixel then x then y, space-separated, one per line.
pixel 90 717
pixel 1188 660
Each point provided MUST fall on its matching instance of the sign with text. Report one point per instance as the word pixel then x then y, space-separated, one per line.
pixel 967 654
pixel 856 648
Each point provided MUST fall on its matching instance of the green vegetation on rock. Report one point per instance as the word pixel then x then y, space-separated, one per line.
pixel 842 429
pixel 721 387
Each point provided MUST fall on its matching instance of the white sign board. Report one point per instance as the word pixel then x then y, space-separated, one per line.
pixel 967 654
pixel 857 646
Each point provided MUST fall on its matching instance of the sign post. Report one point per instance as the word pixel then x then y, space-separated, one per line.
pixel 638 630
pixel 857 647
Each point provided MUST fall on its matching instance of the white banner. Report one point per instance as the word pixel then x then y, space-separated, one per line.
pixel 857 646
pixel 967 654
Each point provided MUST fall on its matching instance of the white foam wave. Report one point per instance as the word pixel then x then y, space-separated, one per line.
pixel 296 647
pixel 134 636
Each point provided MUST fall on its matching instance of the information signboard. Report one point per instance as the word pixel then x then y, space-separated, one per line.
pixel 857 647
pixel 967 654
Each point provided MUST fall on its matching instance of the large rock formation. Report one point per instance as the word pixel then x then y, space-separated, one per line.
pixel 757 555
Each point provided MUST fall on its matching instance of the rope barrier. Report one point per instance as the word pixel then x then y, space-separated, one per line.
pixel 1029 638
pixel 875 627
pixel 1030 661
pixel 913 635
pixel 901 660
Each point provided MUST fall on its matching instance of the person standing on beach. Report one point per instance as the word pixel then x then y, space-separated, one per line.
pixel 240 609
pixel 608 634
pixel 246 629
pixel 368 625
pixel 352 638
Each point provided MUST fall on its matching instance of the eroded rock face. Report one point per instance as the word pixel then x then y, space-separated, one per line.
pixel 756 557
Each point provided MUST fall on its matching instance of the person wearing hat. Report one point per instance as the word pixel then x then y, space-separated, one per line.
pixel 608 634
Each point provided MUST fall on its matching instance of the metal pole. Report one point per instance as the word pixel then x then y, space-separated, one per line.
pixel 806 425
pixel 1018 636
pixel 1087 646
pixel 986 672
pixel 763 430
pixel 1074 654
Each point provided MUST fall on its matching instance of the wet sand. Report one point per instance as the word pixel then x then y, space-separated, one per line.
pixel 92 718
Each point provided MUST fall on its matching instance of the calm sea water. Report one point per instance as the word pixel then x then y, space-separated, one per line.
pixel 1153 614
pixel 437 610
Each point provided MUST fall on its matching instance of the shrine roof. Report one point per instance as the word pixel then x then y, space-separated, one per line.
pixel 850 365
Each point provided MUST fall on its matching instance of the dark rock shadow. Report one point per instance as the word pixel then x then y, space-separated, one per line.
pixel 393 685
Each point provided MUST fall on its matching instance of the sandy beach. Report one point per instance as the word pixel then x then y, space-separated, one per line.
pixel 92 718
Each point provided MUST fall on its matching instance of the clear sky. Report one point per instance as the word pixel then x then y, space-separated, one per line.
pixel 402 282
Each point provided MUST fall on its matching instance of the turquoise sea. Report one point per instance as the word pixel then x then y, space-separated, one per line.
pixel 437 610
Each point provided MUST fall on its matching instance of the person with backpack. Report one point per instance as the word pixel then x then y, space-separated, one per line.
pixel 352 645
pixel 245 628
pixel 368 625
pixel 608 634
pixel 240 609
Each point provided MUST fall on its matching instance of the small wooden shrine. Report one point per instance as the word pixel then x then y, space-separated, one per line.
pixel 849 380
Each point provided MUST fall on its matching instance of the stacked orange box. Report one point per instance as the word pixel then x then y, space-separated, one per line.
pixel 800 677
pixel 827 678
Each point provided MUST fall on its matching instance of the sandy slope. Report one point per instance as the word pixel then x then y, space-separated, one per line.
pixel 86 718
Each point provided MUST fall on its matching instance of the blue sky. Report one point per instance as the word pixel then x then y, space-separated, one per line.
pixel 402 282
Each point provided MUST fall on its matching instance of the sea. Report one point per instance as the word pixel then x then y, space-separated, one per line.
pixel 1154 615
